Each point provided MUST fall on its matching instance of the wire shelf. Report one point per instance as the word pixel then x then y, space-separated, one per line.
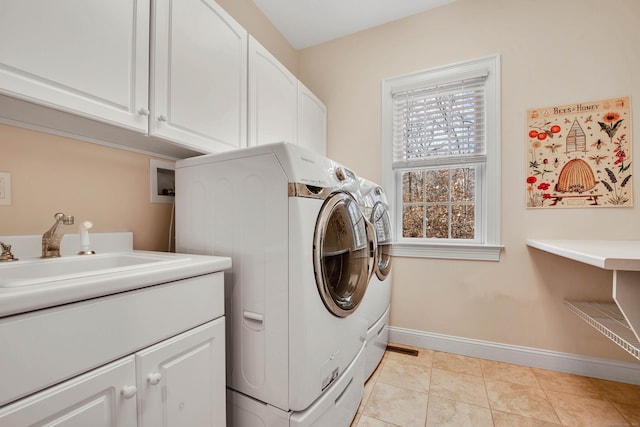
pixel 607 318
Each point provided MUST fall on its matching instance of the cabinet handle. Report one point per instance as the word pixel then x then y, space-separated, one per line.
pixel 154 378
pixel 129 391
pixel 143 111
pixel 162 118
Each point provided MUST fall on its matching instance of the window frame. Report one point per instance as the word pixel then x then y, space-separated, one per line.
pixel 487 245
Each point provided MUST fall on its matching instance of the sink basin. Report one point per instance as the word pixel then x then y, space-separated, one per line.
pixel 36 271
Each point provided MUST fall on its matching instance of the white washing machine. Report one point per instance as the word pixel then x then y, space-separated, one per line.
pixel 300 260
pixel 377 300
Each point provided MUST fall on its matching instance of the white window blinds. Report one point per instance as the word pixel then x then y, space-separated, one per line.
pixel 440 124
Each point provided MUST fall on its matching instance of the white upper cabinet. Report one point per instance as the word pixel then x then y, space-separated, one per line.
pixel 280 107
pixel 89 58
pixel 273 98
pixel 198 76
pixel 168 77
pixel 312 121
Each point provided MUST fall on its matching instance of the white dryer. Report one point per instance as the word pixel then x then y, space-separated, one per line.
pixel 377 300
pixel 300 260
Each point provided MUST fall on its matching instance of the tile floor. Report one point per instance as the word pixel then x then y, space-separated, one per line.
pixel 443 389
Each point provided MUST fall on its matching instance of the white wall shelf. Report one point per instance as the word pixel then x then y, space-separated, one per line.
pixel 620 322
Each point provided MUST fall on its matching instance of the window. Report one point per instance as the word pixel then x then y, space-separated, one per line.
pixel 441 160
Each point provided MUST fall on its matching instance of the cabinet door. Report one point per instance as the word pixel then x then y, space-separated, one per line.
pixel 273 98
pixel 182 380
pixel 89 58
pixel 199 76
pixel 104 397
pixel 312 121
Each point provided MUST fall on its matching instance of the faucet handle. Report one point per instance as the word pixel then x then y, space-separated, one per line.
pixel 66 219
pixel 6 254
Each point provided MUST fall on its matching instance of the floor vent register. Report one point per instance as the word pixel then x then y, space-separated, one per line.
pixel 407 351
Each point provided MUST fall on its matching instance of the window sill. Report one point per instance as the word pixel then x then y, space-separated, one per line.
pixel 472 252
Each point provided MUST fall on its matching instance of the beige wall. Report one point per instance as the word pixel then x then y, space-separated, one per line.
pixel 552 52
pixel 107 186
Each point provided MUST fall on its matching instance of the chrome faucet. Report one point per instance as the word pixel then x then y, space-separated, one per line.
pixel 52 238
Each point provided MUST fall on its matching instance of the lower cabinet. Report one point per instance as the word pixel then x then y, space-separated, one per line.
pixel 177 382
pixel 181 381
pixel 104 397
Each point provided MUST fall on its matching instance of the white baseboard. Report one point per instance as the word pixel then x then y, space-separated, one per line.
pixel 607 369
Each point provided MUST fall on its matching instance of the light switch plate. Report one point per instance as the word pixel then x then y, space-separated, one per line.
pixel 5 188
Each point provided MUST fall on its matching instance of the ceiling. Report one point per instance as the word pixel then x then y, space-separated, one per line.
pixel 307 23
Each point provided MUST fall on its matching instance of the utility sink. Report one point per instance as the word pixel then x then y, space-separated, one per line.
pixel 38 271
pixel 32 283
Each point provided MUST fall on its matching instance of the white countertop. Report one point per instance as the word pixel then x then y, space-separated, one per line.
pixel 606 254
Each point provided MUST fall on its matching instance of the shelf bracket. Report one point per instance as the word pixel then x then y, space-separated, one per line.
pixel 626 294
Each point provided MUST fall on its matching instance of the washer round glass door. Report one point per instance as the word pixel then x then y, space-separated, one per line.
pixel 382 227
pixel 341 254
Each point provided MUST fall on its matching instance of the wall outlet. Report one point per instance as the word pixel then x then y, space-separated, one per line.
pixel 5 188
